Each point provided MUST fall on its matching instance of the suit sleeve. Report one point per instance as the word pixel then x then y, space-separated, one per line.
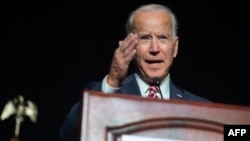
pixel 70 130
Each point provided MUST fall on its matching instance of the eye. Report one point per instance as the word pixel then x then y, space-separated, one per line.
pixel 145 37
pixel 163 37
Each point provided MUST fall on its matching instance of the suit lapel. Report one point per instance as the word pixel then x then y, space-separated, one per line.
pixel 176 92
pixel 130 86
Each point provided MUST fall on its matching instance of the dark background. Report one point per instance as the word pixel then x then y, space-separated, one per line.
pixel 50 50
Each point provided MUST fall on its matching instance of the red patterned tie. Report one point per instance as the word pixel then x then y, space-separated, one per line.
pixel 152 92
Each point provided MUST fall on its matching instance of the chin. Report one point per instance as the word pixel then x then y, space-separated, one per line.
pixel 154 76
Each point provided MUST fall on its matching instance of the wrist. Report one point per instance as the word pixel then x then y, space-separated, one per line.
pixel 113 81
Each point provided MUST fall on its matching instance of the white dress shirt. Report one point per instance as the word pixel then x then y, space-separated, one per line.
pixel 164 86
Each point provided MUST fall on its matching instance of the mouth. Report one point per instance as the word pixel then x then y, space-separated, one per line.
pixel 153 61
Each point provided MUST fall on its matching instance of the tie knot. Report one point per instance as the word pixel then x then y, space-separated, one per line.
pixel 153 92
pixel 153 89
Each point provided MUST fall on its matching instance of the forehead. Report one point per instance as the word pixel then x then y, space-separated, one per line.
pixel 148 20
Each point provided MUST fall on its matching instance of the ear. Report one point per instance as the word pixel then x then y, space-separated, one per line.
pixel 176 46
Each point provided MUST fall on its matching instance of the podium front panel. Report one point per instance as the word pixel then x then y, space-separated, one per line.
pixel 107 117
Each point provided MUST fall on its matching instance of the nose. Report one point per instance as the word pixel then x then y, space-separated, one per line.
pixel 154 46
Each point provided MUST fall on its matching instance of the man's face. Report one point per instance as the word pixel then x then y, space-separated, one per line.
pixel 157 47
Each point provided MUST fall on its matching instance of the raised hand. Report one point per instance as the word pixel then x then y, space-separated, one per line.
pixel 123 55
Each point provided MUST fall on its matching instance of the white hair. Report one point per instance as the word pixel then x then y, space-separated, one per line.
pixel 152 7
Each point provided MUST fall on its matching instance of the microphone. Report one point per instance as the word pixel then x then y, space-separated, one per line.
pixel 157 82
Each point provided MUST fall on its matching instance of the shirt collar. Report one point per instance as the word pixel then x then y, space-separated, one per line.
pixel 164 86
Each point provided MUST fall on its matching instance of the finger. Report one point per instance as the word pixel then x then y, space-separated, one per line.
pixel 130 56
pixel 127 42
pixel 131 46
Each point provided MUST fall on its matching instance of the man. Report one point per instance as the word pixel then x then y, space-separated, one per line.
pixel 151 44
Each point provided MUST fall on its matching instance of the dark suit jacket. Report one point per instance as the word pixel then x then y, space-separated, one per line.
pixel 70 130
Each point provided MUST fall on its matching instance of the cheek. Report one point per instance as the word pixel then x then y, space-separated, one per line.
pixel 140 54
pixel 141 51
pixel 169 52
pixel 138 57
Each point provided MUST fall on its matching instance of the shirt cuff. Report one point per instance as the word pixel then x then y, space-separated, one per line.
pixel 106 88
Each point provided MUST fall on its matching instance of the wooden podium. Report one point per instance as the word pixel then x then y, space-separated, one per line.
pixel 110 117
